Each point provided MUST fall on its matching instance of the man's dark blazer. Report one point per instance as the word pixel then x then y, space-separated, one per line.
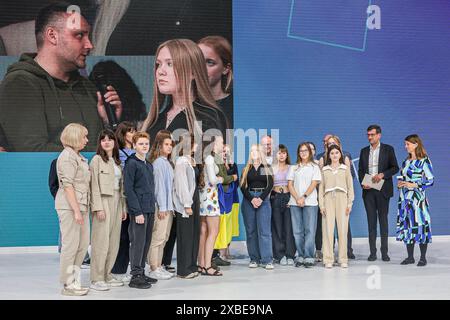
pixel 387 164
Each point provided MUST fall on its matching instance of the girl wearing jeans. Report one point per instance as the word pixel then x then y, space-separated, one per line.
pixel 256 185
pixel 303 179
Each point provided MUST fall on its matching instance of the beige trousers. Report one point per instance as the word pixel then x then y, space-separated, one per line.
pixel 75 243
pixel 105 238
pixel 335 206
pixel 160 235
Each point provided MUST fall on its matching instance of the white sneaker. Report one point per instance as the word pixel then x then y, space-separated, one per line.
pixel 290 262
pixel 253 264
pixel 344 265
pixel 283 261
pixel 328 265
pixel 269 266
pixel 72 290
pixel 164 271
pixel 99 286
pixel 114 283
pixel 157 274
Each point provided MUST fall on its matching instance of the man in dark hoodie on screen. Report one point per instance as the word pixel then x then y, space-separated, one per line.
pixel 44 92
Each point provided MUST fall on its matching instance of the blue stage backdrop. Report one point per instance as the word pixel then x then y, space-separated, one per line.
pixel 307 68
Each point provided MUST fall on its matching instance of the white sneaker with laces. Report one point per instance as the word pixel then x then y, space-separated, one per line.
pixel 157 274
pixel 99 286
pixel 164 271
pixel 253 264
pixel 114 283
pixel 269 266
pixel 290 262
pixel 284 261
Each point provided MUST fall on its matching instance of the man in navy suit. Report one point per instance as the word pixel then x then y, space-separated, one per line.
pixel 379 161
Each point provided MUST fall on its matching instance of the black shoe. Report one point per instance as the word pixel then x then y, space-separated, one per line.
pixel 308 264
pixel 422 262
pixel 149 279
pixel 169 269
pixel 372 257
pixel 139 282
pixel 350 255
pixel 220 262
pixel 385 258
pixel 298 264
pixel 407 261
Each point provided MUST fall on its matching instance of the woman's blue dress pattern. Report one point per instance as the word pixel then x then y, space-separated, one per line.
pixel 413 219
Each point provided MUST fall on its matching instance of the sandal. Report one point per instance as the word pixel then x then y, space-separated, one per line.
pixel 200 269
pixel 215 274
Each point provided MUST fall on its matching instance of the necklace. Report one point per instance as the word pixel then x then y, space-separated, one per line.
pixel 172 113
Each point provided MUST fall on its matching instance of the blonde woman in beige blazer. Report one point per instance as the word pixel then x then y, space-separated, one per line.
pixel 336 197
pixel 108 211
pixel 72 206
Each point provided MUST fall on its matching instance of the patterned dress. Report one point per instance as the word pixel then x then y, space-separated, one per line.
pixel 209 195
pixel 413 220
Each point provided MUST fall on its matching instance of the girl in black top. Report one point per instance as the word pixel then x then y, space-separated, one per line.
pixel 256 185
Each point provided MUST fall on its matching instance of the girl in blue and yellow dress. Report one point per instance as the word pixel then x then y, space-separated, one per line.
pixel 413 220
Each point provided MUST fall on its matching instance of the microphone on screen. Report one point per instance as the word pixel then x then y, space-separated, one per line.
pixel 101 83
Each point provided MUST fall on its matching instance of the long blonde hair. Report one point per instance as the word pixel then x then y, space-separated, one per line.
pixel 192 82
pixel 248 166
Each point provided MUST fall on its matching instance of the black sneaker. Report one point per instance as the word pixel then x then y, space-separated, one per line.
pixel 150 280
pixel 139 282
pixel 220 262
pixel 351 255
pixel 298 264
pixel 308 264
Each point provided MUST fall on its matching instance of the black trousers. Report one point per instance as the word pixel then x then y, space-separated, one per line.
pixel 377 207
pixel 170 244
pixel 319 234
pixel 188 238
pixel 140 238
pixel 283 242
pixel 123 256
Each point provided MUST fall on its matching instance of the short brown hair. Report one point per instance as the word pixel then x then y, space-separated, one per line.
pixel 140 134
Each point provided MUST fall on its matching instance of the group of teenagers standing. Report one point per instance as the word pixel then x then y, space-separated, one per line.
pixel 291 211
pixel 144 189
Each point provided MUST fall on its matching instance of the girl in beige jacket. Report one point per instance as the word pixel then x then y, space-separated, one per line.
pixel 335 201
pixel 108 211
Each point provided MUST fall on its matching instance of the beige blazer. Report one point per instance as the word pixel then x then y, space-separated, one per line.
pixel 73 170
pixel 102 182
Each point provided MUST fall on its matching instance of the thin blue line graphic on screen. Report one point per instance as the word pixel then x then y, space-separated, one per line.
pixel 338 23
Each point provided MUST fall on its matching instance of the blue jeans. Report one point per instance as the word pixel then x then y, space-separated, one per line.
pixel 304 224
pixel 258 223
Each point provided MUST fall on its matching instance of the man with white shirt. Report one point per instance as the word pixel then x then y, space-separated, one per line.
pixel 379 161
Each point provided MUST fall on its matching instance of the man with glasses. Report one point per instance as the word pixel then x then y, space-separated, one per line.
pixel 379 161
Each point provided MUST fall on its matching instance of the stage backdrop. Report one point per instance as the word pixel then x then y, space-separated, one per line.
pixel 306 68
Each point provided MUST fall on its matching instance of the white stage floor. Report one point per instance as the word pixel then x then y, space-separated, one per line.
pixel 31 275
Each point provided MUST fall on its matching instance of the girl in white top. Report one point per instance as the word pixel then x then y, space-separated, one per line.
pixel 303 179
pixel 209 208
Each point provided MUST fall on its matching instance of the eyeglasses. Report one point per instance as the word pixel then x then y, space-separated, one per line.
pixel 304 151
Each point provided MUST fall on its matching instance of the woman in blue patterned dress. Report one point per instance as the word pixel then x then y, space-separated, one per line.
pixel 413 220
